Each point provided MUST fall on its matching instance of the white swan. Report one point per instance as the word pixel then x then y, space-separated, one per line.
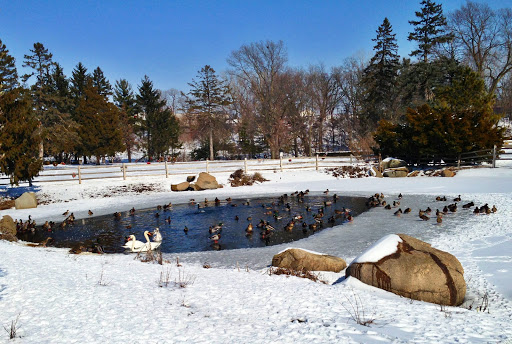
pixel 157 236
pixel 145 247
pixel 133 244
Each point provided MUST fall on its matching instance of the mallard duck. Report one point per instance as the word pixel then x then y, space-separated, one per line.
pixel 398 212
pixel 439 219
pixel 388 207
pixel 476 211
pixel 400 196
pixel 237 218
pixel 157 214
pixel 468 205
pixel 428 211
pixel 383 203
pixel 90 212
pixel 117 215
pixel 407 210
pixel 185 229
pixel 494 209
pixel 424 217
pixel 228 199
pixel 158 207
pixel 249 228
pixel 326 192
pixel 47 226
pixel 132 211
pixel 457 199
pixel 65 213
pixel 215 238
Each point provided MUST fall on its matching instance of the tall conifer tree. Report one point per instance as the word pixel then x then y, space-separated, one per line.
pixel 429 29
pixel 380 77
pixel 101 83
pixel 8 72
pixel 209 96
pixel 125 101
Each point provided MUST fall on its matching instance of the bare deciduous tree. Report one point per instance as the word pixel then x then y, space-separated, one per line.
pixel 259 66
pixel 484 39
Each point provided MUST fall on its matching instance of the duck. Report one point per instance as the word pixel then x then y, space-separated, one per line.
pixel 400 196
pixel 132 211
pixel 185 229
pixel 424 217
pixel 457 199
pixel 215 238
pixel 326 192
pixel 65 213
pixel 237 218
pixel 398 212
pixel 216 228
pixel 439 219
pixel 476 211
pixel 90 212
pixel 468 205
pixel 249 228
pixel 228 199
pixel 117 215
pixel 407 210
pixel 157 236
pixel 494 209
pixel 387 207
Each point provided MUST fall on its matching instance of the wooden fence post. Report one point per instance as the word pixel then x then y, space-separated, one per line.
pixel 316 162
pixel 380 163
pixel 351 158
pixel 166 171
pixel 245 165
pixel 79 175
pixel 458 161
pixel 207 166
pixel 281 161
pixel 494 157
pixel 123 167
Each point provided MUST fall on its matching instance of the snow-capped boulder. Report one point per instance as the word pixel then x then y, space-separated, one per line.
pixel 298 259
pixel 398 172
pixel 392 163
pixel 7 229
pixel 26 201
pixel 374 172
pixel 411 268
pixel 206 181
pixel 180 187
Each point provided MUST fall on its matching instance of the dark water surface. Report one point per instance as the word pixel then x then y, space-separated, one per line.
pixel 110 232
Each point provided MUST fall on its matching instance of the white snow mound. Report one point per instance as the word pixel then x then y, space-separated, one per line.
pixel 382 248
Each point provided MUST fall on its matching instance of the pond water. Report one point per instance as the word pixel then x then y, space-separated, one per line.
pixel 110 232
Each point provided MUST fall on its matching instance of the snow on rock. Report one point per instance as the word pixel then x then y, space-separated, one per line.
pixel 382 248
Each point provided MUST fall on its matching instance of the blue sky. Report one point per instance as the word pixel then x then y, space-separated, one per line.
pixel 171 40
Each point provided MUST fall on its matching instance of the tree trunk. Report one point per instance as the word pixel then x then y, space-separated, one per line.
pixel 212 157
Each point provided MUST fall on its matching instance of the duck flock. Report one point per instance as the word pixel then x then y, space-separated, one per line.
pixel 378 200
pixel 278 216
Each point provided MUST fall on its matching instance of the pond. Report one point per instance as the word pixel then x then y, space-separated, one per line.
pixel 110 231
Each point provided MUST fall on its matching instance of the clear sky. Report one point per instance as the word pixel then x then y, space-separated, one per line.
pixel 171 40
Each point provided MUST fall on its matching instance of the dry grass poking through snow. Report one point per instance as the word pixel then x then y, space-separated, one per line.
pixel 296 273
pixel 239 178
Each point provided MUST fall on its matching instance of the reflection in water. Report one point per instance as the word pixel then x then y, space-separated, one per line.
pixel 185 227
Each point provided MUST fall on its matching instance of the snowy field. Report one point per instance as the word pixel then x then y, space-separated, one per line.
pixel 62 298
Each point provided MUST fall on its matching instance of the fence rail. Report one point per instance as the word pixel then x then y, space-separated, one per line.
pixel 79 173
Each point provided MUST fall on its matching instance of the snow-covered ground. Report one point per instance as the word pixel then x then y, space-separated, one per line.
pixel 63 298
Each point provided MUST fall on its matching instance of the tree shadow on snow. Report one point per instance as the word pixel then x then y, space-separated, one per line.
pixel 16 191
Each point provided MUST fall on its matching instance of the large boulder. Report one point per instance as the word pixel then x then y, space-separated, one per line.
pixel 396 172
pixel 7 225
pixel 374 172
pixel 447 173
pixel 180 187
pixel 206 181
pixel 411 268
pixel 297 259
pixel 26 201
pixel 392 163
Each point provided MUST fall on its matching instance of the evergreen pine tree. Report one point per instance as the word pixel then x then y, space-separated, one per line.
pixel 429 29
pixel 99 125
pixel 79 78
pixel 19 139
pixel 208 97
pixel 101 83
pixel 380 77
pixel 125 101
pixel 156 123
pixel 8 72
pixel 40 61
